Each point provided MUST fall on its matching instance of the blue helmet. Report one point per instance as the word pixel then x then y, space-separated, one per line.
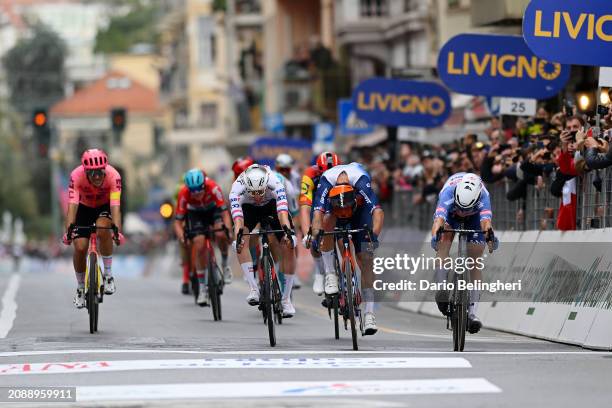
pixel 195 179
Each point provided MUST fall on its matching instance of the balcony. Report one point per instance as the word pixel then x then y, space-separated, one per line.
pixel 498 12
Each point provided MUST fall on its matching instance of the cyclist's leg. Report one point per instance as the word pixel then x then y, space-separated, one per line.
pixel 440 273
pixel 105 237
pixel 475 249
pixel 85 216
pixel 328 254
pixel 223 244
pixel 244 257
pixel 365 257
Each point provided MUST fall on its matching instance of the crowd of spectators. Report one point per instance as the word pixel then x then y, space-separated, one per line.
pixel 547 152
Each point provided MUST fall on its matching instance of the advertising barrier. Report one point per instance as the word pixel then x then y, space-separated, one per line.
pixel 264 150
pixel 395 102
pixel 497 65
pixel 571 31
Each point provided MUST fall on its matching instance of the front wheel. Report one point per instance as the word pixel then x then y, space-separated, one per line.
pixel 214 290
pixel 459 320
pixel 91 295
pixel 268 299
pixel 350 301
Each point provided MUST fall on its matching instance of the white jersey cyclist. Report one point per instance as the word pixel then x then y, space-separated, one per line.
pixel 274 190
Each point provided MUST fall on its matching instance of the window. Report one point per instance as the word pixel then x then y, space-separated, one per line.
pixel 453 3
pixel 208 115
pixel 410 5
pixel 373 8
pixel 206 48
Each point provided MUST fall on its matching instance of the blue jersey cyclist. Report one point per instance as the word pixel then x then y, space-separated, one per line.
pixel 463 202
pixel 344 195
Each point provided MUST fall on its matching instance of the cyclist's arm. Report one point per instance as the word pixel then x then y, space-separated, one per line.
pixel 73 199
pixel 437 224
pixel 378 218
pixel 486 224
pixel 305 218
pixel 320 204
pixel 180 212
pixel 486 214
pixel 71 214
pixel 235 198
pixel 116 216
pixel 115 199
pixel 445 200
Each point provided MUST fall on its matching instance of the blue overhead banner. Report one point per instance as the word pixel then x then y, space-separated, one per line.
pixel 397 102
pixel 264 150
pixel 498 65
pixel 570 31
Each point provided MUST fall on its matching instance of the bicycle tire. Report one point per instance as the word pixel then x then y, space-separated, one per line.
pixel 92 281
pixel 213 291
pixel 267 300
pixel 348 271
pixel 459 320
pixel 278 301
pixel 195 286
pixel 335 302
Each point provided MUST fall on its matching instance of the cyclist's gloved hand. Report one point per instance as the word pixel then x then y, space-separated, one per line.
pixel 306 241
pixel 492 240
pixel 434 242
pixel 67 237
pixel 120 239
pixel 374 240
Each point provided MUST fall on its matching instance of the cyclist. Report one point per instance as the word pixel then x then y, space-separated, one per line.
pixel 463 200
pixel 354 200
pixel 201 204
pixel 241 164
pixel 258 194
pixel 283 166
pixel 310 179
pixel 94 196
pixel 185 257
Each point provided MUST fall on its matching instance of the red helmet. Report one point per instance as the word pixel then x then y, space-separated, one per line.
pixel 94 159
pixel 241 164
pixel 327 160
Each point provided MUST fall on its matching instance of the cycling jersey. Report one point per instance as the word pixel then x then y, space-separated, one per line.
pixel 447 209
pixel 292 193
pixel 310 179
pixel 82 191
pixel 211 199
pixel 359 179
pixel 275 191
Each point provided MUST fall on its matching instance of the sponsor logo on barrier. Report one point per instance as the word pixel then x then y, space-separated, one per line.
pixel 495 65
pixel 570 32
pixel 402 103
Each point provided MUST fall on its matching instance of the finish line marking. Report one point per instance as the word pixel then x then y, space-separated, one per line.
pixel 9 305
pixel 290 352
pixel 240 363
pixel 284 389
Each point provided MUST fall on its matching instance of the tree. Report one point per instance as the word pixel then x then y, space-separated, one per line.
pixel 35 70
pixel 136 27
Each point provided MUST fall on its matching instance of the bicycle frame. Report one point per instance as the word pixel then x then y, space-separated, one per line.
pixel 93 249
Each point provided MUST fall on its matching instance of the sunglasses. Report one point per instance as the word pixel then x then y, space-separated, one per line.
pixel 258 193
pixel 96 173
pixel 196 190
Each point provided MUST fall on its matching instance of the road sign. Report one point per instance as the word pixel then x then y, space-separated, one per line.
pixel 273 122
pixel 518 107
pixel 323 137
pixel 350 124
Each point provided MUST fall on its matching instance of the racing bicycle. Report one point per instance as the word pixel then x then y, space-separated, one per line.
pixel 94 284
pixel 458 304
pixel 270 298
pixel 216 281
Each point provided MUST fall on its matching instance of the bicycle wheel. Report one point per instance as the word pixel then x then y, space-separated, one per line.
pixel 350 302
pixel 213 290
pixel 267 300
pixel 92 282
pixel 335 302
pixel 459 320
pixel 278 299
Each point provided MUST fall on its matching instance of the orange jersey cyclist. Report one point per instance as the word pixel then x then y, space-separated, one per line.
pixel 94 195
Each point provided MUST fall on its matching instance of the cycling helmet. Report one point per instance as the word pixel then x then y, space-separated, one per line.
pixel 194 180
pixel 241 164
pixel 283 161
pixel 343 200
pixel 327 160
pixel 256 179
pixel 94 159
pixel 468 190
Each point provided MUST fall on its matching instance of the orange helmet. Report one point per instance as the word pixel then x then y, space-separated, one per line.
pixel 343 200
pixel 327 160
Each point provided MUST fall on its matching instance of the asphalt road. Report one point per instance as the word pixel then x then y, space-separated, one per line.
pixel 156 348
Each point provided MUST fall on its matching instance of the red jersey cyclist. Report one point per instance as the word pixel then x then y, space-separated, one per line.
pixel 200 204
pixel 94 195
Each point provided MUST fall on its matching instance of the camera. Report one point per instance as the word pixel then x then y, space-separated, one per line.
pixel 569 109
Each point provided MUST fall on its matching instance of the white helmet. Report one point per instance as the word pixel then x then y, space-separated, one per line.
pixel 256 179
pixel 283 161
pixel 467 191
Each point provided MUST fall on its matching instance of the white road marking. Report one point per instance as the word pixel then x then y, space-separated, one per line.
pixel 285 389
pixel 79 367
pixel 9 306
pixel 289 352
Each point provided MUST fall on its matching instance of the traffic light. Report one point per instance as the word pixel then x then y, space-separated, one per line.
pixel 118 119
pixel 40 118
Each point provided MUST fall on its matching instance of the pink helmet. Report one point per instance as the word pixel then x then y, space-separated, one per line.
pixel 94 159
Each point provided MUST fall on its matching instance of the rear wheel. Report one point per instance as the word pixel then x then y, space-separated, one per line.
pixel 267 300
pixel 92 301
pixel 335 302
pixel 350 301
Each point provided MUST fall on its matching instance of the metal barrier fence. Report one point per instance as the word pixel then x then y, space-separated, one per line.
pixel 538 210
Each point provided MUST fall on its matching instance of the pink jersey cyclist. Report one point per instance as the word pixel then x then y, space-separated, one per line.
pixel 82 191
